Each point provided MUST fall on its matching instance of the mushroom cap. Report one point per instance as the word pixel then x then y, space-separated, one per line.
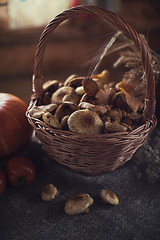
pixel 58 95
pixel 109 196
pixel 38 111
pixel 115 127
pixel 68 79
pixel 75 82
pixel 51 85
pixel 85 122
pixel 51 120
pixel 103 76
pixel 78 204
pixel 95 108
pixel 71 98
pixel 49 192
pixel 80 90
pixel 90 86
pixel 64 109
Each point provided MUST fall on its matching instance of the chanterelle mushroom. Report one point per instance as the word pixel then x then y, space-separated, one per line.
pixel 85 122
pixel 78 204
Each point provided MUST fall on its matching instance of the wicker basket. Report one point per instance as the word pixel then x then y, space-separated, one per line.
pixel 92 154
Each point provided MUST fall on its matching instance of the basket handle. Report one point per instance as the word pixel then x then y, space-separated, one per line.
pixel 120 24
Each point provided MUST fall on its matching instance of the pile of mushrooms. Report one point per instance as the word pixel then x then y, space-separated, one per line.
pixel 90 105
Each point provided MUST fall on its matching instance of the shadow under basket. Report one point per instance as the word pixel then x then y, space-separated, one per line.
pixel 92 154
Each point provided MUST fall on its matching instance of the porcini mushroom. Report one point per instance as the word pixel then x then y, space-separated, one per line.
pixel 85 122
pixel 78 204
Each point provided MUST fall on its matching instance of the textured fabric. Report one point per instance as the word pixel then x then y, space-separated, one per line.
pixel 23 215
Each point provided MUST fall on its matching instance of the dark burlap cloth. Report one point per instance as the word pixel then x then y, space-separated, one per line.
pixel 24 216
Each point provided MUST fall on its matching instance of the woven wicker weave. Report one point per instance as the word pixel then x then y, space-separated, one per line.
pixel 92 154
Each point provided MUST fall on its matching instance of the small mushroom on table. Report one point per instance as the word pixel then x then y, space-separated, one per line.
pixel 77 204
pixel 108 196
pixel 49 192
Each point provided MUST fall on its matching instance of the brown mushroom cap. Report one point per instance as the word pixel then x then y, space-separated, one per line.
pixel 64 109
pixel 49 192
pixel 109 196
pixel 51 86
pixel 85 122
pixel 68 79
pixel 90 86
pixel 58 95
pixel 115 127
pixel 38 111
pixel 78 204
pixel 95 108
pixel 75 82
pixel 71 98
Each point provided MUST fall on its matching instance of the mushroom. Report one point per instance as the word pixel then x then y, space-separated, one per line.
pixel 99 83
pixel 105 118
pixel 118 100
pixel 115 115
pixel 134 87
pixel 68 79
pixel 109 196
pixel 114 127
pixel 85 122
pixel 78 204
pixel 46 98
pixel 75 82
pixel 64 124
pixel 49 192
pixel 71 98
pixel 58 95
pixel 95 108
pixel 103 76
pixel 104 95
pixel 133 102
pixel 90 86
pixel 38 111
pixel 51 120
pixel 79 90
pixel 51 86
pixel 64 109
pixel 86 98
